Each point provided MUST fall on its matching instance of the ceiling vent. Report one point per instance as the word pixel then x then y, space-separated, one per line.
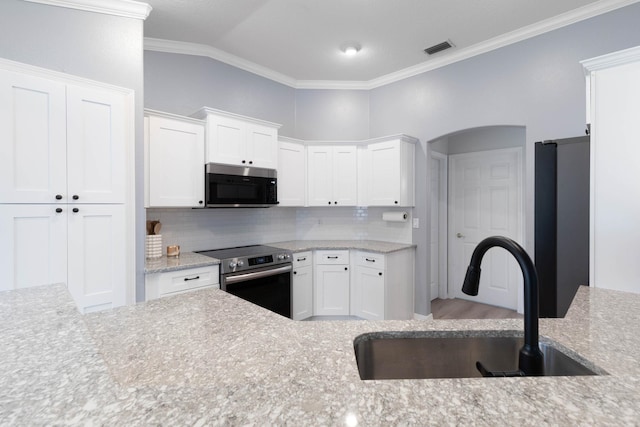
pixel 438 47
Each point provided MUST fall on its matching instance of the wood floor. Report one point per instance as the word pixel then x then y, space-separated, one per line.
pixel 462 309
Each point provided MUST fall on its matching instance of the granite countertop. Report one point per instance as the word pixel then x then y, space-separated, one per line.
pixel 184 261
pixel 366 245
pixel 209 358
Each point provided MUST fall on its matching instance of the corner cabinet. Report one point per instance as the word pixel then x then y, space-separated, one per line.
pixel 64 176
pixel 239 140
pixel 332 175
pixel 383 285
pixel 292 173
pixel 174 160
pixel 331 283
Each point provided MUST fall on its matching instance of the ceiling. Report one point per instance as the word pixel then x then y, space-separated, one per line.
pixel 297 42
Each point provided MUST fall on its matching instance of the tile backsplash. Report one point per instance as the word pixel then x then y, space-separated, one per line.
pixel 201 229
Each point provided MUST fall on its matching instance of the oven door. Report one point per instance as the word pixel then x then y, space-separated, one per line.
pixel 268 287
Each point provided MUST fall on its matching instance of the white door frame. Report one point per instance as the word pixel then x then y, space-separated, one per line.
pixel 443 202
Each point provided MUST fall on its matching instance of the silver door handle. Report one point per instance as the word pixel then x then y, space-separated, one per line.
pixel 459 235
pixel 257 274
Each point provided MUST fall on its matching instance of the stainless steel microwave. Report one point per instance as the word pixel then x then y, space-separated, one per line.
pixel 228 186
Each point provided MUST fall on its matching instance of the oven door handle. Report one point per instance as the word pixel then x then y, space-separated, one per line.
pixel 257 274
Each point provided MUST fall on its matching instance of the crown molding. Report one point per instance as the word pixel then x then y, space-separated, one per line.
pixel 563 20
pixel 124 8
pixel 612 59
pixel 185 48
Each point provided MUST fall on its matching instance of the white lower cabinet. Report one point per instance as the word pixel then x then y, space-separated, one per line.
pixel 80 245
pixel 331 283
pixel 383 285
pixel 96 275
pixel 159 285
pixel 302 286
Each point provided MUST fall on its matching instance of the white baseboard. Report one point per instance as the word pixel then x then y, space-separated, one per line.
pixel 417 316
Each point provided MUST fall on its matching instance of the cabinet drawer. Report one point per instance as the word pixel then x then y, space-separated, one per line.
pixel 302 259
pixel 370 259
pixel 331 257
pixel 162 284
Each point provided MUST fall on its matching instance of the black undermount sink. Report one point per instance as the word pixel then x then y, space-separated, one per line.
pixel 454 354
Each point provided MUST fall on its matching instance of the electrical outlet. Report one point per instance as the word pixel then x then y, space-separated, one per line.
pixel 416 222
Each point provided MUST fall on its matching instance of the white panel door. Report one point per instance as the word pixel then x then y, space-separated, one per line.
pixel 262 146
pixel 345 176
pixel 96 145
pixel 486 200
pixel 33 163
pixel 615 178
pixel 319 176
pixel 176 163
pixel 331 290
pixel 34 239
pixel 96 276
pixel 291 174
pixel 384 173
pixel 226 140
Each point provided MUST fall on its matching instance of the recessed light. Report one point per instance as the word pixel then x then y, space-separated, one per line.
pixel 350 48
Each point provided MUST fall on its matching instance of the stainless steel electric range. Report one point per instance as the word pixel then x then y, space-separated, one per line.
pixel 259 274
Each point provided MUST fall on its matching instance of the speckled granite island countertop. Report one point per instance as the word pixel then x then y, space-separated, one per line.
pixel 184 261
pixel 209 358
pixel 365 245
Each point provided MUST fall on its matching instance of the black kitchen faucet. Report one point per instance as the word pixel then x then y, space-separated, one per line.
pixel 530 361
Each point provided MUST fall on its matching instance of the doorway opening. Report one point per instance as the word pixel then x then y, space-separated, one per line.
pixel 476 189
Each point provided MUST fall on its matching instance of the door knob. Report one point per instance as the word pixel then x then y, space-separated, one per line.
pixel 459 235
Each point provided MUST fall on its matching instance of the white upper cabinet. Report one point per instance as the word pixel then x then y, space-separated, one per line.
pixel 174 149
pixel 96 128
pixel 238 140
pixel 64 143
pixel 332 175
pixel 33 164
pixel 292 174
pixel 388 171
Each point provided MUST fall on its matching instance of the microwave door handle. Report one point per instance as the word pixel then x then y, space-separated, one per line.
pixel 257 274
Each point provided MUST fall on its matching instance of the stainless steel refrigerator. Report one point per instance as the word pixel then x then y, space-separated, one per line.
pixel 561 221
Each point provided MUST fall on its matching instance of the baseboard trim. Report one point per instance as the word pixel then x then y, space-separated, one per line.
pixel 417 316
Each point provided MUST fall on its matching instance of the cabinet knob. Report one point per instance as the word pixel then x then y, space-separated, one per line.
pixel 345 269
pixel 380 274
pixel 58 196
pixel 396 202
pixel 329 202
pixel 75 197
pixel 58 210
pixel 295 272
pixel 76 210
pixel 200 202
pixel 250 162
pixel 244 161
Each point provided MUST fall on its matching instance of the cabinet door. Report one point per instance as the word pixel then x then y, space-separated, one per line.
pixel 302 293
pixel 331 290
pixel 345 176
pixel 368 294
pixel 34 239
pixel 96 247
pixel 291 174
pixel 384 173
pixel 319 176
pixel 176 163
pixel 96 145
pixel 33 164
pixel 226 141
pixel 262 146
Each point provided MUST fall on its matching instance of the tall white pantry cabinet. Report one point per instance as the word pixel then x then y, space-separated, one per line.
pixel 64 175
